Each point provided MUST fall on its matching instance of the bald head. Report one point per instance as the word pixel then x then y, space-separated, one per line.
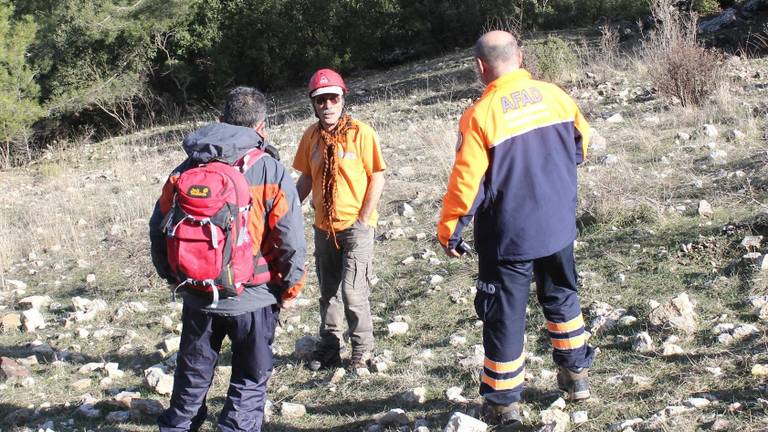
pixel 498 53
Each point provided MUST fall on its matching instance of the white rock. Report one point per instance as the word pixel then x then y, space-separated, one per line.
pixel 305 347
pixel 166 322
pixel 435 279
pixel 735 135
pixel 621 426
pixel 32 320
pixel 705 209
pixel 408 260
pixel 616 118
pixel 292 410
pixel 453 394
pixel 716 371
pixel 557 419
pixel 676 410
pixel 682 136
pixel 723 328
pixel 172 344
pixel 579 417
pixel 362 372
pixel 627 321
pixel 404 209
pixel 395 417
pixel 91 278
pixel 678 313
pixel 463 423
pixel 558 404
pixel 751 242
pixel 697 403
pixel 457 340
pixel 642 342
pixel 744 330
pixel 90 367
pixel 16 284
pixel 760 370
pixel 338 375
pixel 610 159
pixel 725 339
pixel 157 379
pixel 397 328
pixel 710 131
pixel 417 395
pixel 35 302
pixel 718 156
pixel 670 349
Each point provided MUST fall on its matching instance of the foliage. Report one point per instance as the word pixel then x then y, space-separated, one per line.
pixel 678 65
pixel 552 60
pixel 19 107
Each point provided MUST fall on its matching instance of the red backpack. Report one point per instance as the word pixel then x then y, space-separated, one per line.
pixel 209 246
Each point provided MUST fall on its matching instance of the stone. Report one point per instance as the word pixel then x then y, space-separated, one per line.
pixel 397 328
pixel 463 423
pixel 35 302
pixel 436 279
pixel 89 411
pixel 417 395
pixel 716 371
pixel 81 384
pixel 720 424
pixel 597 143
pixel 682 136
pixel 670 349
pixel 615 118
pixel 743 331
pixel 129 309
pixel 725 339
pixel 10 322
pixel 453 394
pixel 760 370
pixel 338 375
pixel 626 424
pixel 405 209
pixel 28 361
pixel 305 347
pixel 172 344
pixel 113 371
pixel 90 278
pixel 10 369
pixel 610 159
pixel 642 342
pixel 90 367
pixel 292 410
pixel 157 379
pixel 32 320
pixel 118 417
pixel 124 398
pixel 145 409
pixel 630 379
pixel 558 404
pixel 457 340
pixel 676 410
pixel 678 313
pixel 723 328
pixel 710 131
pixel 579 417
pixel 735 135
pixel 697 403
pixel 557 419
pixel 627 321
pixel 394 417
pixel 751 243
pixel 362 372
pixel 475 359
pixel 408 260
pixel 705 209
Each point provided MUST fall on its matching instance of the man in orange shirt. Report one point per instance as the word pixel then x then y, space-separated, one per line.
pixel 341 164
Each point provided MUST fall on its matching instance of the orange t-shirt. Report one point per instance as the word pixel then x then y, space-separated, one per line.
pixel 358 158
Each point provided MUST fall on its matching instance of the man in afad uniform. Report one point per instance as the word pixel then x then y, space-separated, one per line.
pixel 340 162
pixel 515 174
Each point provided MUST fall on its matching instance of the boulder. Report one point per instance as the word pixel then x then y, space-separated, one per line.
pixel 32 320
pixel 292 410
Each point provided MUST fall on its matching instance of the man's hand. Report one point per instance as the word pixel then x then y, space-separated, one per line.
pixel 452 253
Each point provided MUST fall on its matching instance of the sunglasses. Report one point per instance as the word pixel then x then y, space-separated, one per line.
pixel 322 99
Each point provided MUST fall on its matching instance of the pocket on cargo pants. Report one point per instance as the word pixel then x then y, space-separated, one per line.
pixel 486 300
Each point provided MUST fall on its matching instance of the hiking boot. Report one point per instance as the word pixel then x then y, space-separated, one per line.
pixel 503 415
pixel 359 359
pixel 575 382
pixel 325 359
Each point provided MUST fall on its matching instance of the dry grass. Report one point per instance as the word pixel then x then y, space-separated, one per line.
pixel 91 203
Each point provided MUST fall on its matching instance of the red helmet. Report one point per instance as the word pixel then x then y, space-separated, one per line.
pixel 326 81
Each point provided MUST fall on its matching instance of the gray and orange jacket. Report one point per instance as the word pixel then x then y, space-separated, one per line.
pixel 515 170
pixel 276 223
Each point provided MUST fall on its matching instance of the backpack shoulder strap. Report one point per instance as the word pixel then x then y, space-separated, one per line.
pixel 246 162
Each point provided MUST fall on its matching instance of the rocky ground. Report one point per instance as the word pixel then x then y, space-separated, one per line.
pixel 671 258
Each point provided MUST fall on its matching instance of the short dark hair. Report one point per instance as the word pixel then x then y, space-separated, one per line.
pixel 245 106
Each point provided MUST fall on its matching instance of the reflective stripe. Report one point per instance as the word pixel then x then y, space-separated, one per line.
pixel 504 367
pixel 566 327
pixel 570 343
pixel 504 384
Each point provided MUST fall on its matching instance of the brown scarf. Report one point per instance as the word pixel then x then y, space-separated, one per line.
pixel 331 141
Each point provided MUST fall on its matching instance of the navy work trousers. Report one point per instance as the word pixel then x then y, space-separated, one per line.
pixel 502 296
pixel 251 334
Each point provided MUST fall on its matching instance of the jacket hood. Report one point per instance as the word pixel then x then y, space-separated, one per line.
pixel 221 141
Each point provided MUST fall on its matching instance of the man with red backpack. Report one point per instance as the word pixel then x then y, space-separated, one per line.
pixel 228 234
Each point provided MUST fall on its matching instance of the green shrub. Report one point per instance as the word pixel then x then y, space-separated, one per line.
pixel 19 107
pixel 706 7
pixel 552 60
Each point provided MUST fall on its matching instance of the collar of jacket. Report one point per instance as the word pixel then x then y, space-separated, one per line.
pixel 515 75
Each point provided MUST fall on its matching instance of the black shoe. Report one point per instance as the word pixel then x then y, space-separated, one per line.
pixel 359 359
pixel 575 382
pixel 325 359
pixel 503 415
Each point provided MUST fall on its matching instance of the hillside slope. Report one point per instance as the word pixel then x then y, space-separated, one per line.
pixel 74 228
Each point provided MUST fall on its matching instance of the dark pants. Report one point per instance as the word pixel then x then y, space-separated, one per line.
pixel 251 334
pixel 502 296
